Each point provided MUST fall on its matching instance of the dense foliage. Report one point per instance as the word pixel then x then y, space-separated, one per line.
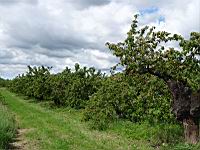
pixel 64 89
pixel 145 51
pixel 104 98
pixel 3 82
pixel 74 88
pixel 138 98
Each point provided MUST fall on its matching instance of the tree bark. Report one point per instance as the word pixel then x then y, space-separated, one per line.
pixel 186 107
pixel 191 130
pixel 181 99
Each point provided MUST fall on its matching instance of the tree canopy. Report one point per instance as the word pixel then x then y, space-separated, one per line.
pixel 145 50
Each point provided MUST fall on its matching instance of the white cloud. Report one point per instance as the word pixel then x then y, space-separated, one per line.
pixel 61 33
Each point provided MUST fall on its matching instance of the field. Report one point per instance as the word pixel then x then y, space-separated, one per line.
pixel 99 75
pixel 44 127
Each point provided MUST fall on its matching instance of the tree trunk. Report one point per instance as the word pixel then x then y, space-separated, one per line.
pixel 186 107
pixel 181 99
pixel 191 130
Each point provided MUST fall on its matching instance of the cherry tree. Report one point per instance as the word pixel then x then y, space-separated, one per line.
pixel 145 51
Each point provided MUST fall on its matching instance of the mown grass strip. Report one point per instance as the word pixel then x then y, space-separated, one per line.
pixel 62 128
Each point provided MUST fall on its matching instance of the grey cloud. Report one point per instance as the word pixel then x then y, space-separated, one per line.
pixel 88 3
pixel 48 41
pixel 61 53
pixel 61 33
pixel 12 2
pixel 42 30
pixel 5 54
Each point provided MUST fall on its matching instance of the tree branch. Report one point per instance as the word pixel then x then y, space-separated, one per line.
pixel 151 71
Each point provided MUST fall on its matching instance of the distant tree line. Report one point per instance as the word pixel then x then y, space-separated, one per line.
pixel 3 82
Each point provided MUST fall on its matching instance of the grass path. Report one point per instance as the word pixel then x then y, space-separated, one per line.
pixel 59 128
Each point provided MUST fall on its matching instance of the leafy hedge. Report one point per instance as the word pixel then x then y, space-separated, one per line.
pixel 104 98
pixel 3 82
pixel 138 98
pixel 112 101
pixel 64 89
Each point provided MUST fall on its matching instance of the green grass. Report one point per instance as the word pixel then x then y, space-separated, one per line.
pixel 162 136
pixel 7 126
pixel 62 128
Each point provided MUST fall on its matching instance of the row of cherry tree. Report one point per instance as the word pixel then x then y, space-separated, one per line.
pixel 64 89
pixel 104 98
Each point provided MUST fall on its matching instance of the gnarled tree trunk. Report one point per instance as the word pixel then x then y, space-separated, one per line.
pixel 191 129
pixel 186 107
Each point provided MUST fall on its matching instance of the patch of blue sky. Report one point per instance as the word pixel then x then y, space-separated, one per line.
pixel 152 10
pixel 161 19
pixel 149 10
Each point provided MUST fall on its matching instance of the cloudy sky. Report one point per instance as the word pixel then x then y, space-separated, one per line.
pixel 60 33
